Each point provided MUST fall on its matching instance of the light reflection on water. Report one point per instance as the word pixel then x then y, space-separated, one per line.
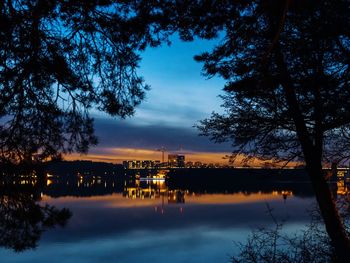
pixel 146 221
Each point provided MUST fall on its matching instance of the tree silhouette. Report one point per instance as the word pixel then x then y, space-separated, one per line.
pixel 286 64
pixel 22 220
pixel 58 59
pixel 287 94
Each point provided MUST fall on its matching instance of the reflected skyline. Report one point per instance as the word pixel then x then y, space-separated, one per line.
pixel 154 188
pixel 150 191
pixel 115 216
pixel 133 230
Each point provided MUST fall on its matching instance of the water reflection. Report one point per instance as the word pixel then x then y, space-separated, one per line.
pixel 23 220
pixel 155 188
pixel 143 189
pixel 115 216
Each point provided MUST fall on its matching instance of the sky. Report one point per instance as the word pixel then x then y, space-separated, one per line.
pixel 179 98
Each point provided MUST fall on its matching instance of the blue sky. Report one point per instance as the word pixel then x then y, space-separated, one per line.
pixel 180 96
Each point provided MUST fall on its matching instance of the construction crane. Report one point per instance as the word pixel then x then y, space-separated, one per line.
pixel 163 150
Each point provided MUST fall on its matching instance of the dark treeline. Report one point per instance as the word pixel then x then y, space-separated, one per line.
pixel 241 175
pixel 201 181
pixel 71 168
pixel 240 180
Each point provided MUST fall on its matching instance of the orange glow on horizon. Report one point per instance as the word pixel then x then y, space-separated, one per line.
pixel 118 155
pixel 119 201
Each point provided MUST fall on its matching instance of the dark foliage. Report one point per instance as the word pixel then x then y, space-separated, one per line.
pixel 308 245
pixel 286 64
pixel 22 220
pixel 59 59
pixel 287 69
pixel 284 61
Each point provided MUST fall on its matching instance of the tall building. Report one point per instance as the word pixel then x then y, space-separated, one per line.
pixel 176 160
pixel 137 164
pixel 181 161
pixel 132 164
pixel 150 164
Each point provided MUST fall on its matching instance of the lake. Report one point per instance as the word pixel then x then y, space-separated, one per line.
pixel 144 220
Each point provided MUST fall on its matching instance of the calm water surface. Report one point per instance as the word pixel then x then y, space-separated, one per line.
pixel 147 222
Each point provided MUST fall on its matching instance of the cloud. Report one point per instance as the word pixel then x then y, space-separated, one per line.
pixel 124 134
pixel 125 140
pixel 117 155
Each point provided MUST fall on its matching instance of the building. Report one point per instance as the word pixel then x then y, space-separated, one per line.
pixel 176 160
pixel 137 164
pixel 132 164
pixel 150 164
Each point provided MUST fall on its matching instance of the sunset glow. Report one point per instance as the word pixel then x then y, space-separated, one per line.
pixel 119 201
pixel 117 155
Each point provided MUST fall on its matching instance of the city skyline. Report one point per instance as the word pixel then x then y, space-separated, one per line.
pixel 167 116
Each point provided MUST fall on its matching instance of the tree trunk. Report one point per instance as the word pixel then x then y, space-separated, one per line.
pixel 329 212
pixel 313 155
